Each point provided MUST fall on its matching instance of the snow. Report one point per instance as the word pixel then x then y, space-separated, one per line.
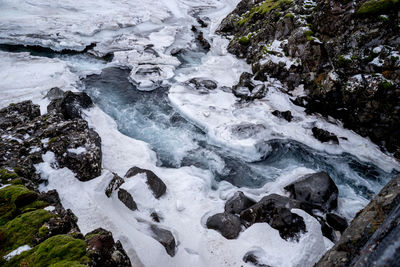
pixel 25 77
pixel 16 252
pixel 50 208
pixel 78 150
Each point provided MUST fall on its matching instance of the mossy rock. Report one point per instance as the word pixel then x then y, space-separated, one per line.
pixel 265 7
pixel 57 251
pixel 8 196
pixel 377 7
pixel 6 175
pixel 22 230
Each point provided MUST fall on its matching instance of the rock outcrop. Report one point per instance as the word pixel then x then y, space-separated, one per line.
pixel 36 219
pixel 372 237
pixel 345 54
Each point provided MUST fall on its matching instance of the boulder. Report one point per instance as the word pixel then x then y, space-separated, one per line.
pixel 238 202
pixel 317 190
pixel 324 136
pixel 103 251
pixel 166 239
pixel 200 83
pixel 127 199
pixel 114 184
pixel 275 210
pixel 287 115
pixel 226 223
pixel 70 104
pixel 336 222
pixel 156 185
pixel 55 93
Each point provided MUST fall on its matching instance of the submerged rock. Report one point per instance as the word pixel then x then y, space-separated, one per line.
pixel 227 224
pixel 317 189
pixel 156 185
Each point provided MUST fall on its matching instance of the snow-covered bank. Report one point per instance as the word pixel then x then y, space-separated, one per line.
pixel 25 77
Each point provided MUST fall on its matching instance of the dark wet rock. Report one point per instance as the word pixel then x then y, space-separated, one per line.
pixel 287 115
pixel 275 210
pixel 336 222
pixel 127 199
pixel 55 93
pixel 238 202
pixel 317 189
pixel 156 185
pixel 327 231
pixel 249 89
pixel 155 216
pixel 227 224
pixel 70 104
pixel 371 233
pixel 103 251
pixel 253 257
pixel 166 239
pixel 114 184
pixel 201 83
pixel 324 136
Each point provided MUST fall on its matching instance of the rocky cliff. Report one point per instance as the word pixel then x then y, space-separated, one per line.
pixel 35 229
pixel 338 58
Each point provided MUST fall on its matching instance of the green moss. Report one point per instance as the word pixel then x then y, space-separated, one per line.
pixel 309 35
pixel 376 6
pixel 8 195
pixel 22 230
pixel 387 85
pixel 54 139
pixel 289 15
pixel 343 61
pixel 57 251
pixel 244 40
pixel 43 231
pixel 6 175
pixel 37 204
pixel 264 8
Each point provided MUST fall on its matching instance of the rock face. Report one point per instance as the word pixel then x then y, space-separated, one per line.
pixel 356 80
pixel 156 185
pixel 317 189
pixel 373 233
pixel 30 135
pixel 227 224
